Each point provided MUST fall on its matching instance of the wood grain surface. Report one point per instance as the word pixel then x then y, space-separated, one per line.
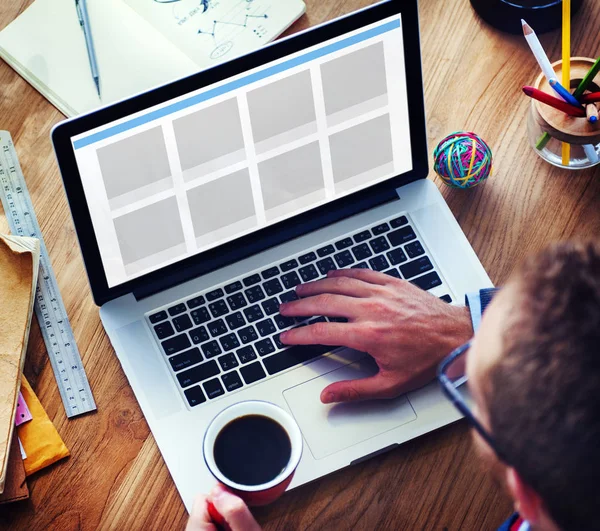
pixel 116 479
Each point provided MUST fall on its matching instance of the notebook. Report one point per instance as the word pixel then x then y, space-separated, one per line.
pixel 139 44
pixel 19 261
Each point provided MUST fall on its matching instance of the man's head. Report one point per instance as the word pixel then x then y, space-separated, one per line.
pixel 534 372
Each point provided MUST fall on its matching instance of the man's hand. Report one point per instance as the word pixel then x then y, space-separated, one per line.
pixel 230 507
pixel 406 330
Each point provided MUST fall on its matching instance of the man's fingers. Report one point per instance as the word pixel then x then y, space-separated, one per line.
pixel 199 518
pixel 340 285
pixel 377 386
pixel 366 275
pixel 332 334
pixel 325 304
pixel 234 510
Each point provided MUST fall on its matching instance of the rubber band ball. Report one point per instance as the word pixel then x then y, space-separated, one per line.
pixel 463 160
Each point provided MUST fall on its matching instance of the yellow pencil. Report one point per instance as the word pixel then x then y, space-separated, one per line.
pixel 566 65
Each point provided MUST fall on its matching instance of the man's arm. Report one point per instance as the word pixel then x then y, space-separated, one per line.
pixel 406 330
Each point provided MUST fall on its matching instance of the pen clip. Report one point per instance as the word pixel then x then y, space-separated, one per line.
pixel 79 13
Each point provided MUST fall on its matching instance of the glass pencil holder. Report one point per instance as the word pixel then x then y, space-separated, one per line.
pixel 549 129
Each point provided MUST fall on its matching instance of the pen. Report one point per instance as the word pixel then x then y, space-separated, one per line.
pixel 84 20
pixel 564 93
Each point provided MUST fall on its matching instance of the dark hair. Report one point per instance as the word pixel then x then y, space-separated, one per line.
pixel 544 394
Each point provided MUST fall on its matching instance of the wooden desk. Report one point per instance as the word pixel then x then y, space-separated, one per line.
pixel 116 477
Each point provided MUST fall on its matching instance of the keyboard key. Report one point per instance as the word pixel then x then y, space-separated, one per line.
pixel 428 281
pixel 186 359
pixel 253 372
pixel 157 317
pixel 214 295
pixel 199 335
pixel 255 294
pixel 176 344
pixel 393 273
pixel 194 396
pixel 195 302
pixel 211 349
pixel 360 265
pixel 272 287
pixel 294 356
pixel 416 267
pixel 308 273
pixel 235 320
pixel 177 309
pixel 271 306
pixel 446 298
pixel 229 342
pixel 270 273
pixel 288 297
pixel 327 250
pixel 289 265
pixel 414 249
pixel 183 322
pixel 200 315
pixel 344 244
pixel 163 330
pixel 253 313
pixel 379 245
pixel 317 320
pixel 199 373
pixel 400 236
pixel 326 265
pixel 232 381
pixel 362 236
pixel 398 222
pixel 248 334
pixel 251 280
pixel 265 327
pixel 397 256
pixel 213 388
pixel 217 328
pixel 228 361
pixel 232 288
pixel 306 258
pixel 344 259
pixel 283 322
pixel 379 263
pixel 218 308
pixel 246 354
pixel 361 251
pixel 290 280
pixel 265 347
pixel 278 343
pixel 236 301
pixel 380 229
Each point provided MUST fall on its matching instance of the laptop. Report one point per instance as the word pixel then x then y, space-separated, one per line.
pixel 201 204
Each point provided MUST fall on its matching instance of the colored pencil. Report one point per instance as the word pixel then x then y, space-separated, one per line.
pixel 564 93
pixel 592 113
pixel 538 51
pixel 566 69
pixel 589 77
pixel 590 153
pixel 546 98
pixel 592 97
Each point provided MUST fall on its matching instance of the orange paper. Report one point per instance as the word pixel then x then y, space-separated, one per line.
pixel 39 437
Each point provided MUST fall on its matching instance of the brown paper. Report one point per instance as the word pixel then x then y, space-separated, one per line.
pixel 15 488
pixel 19 261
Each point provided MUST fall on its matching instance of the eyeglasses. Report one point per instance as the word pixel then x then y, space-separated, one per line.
pixel 453 378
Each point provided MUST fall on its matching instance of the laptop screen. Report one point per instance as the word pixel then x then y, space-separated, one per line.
pixel 234 157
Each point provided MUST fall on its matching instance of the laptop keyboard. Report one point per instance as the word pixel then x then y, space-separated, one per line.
pixel 226 338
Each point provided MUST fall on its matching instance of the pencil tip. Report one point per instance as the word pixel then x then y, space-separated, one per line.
pixel 527 30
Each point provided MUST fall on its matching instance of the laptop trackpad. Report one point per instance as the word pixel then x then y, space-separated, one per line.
pixel 328 429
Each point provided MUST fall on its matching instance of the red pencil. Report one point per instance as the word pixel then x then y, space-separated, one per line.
pixel 546 98
pixel 590 98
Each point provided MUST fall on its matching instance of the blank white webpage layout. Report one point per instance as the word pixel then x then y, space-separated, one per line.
pixel 234 157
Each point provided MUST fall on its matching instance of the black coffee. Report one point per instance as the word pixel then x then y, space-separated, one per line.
pixel 252 450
